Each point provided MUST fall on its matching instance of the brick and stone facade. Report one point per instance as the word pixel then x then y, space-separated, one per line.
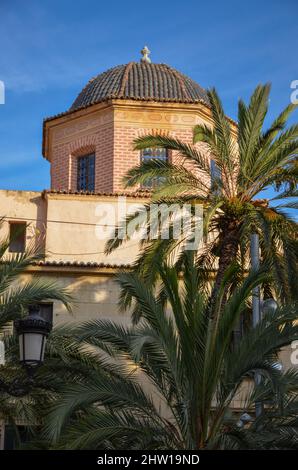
pixel 135 100
pixel 109 131
pixel 115 108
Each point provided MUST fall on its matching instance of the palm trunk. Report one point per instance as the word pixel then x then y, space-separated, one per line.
pixel 230 241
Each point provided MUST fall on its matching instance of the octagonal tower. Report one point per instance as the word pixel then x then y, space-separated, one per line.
pixel 90 146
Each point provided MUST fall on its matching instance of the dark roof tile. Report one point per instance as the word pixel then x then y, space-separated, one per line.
pixel 79 264
pixel 134 194
pixel 141 81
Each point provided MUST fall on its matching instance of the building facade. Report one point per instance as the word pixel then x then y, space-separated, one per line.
pixel 90 149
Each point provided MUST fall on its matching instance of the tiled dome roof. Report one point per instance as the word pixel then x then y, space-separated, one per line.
pixel 141 81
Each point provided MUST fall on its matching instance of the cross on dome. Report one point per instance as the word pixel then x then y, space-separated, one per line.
pixel 145 55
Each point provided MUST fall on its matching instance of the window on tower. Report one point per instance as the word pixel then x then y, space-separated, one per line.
pixel 86 173
pixel 153 154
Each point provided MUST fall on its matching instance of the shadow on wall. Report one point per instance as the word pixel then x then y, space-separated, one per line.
pixel 39 232
pixel 95 296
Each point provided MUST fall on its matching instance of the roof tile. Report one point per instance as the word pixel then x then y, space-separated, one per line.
pixel 141 81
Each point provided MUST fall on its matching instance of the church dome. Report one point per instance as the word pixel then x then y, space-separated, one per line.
pixel 141 81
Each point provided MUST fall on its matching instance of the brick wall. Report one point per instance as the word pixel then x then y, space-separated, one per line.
pixel 125 157
pixel 60 167
pixel 64 160
pixel 112 143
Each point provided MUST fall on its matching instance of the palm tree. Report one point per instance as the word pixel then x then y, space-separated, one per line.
pixel 170 380
pixel 15 297
pixel 66 361
pixel 247 160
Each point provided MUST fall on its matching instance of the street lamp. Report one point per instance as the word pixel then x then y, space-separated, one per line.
pixel 259 307
pixel 268 306
pixel 33 331
pixel 244 419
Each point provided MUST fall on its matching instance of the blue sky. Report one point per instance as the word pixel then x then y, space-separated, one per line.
pixel 50 49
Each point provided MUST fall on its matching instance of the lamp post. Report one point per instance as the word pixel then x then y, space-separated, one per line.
pixel 258 307
pixel 32 331
pixel 255 264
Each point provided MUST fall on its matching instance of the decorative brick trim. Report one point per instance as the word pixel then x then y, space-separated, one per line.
pixel 83 145
pixel 154 131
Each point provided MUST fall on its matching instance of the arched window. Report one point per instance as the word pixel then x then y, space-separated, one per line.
pixel 150 154
pixel 86 173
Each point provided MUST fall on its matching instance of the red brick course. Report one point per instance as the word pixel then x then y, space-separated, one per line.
pixel 114 155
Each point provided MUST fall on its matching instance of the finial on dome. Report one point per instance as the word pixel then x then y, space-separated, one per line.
pixel 145 53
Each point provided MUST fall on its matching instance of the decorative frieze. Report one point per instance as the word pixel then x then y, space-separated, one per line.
pixel 163 119
pixel 81 126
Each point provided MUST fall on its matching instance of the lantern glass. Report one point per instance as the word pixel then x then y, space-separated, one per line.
pixel 32 331
pixel 269 306
pixel 32 347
